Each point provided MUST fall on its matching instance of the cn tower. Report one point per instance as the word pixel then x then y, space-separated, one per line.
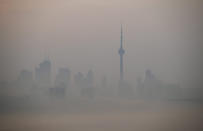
pixel 121 52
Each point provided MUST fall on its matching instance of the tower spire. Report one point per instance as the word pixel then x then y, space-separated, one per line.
pixel 121 52
pixel 121 37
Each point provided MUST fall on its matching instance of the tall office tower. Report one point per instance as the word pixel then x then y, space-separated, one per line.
pixel 43 74
pixel 63 77
pixel 62 83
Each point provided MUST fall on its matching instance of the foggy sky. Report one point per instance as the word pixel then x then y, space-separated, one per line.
pixel 162 35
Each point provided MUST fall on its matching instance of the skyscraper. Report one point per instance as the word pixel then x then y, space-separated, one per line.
pixel 121 52
pixel 62 84
pixel 63 76
pixel 43 74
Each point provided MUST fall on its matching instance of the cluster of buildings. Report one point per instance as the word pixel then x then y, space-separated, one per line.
pixel 84 85
pixel 41 82
pixel 154 89
pixel 61 87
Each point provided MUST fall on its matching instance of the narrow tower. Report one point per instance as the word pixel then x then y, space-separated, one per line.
pixel 121 52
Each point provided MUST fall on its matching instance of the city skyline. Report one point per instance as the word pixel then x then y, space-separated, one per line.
pixel 94 65
pixel 83 35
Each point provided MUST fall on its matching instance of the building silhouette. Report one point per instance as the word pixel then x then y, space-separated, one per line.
pixel 79 80
pixel 88 89
pixel 43 74
pixel 85 84
pixel 90 79
pixel 104 90
pixel 104 82
pixel 62 83
pixel 63 76
pixel 152 86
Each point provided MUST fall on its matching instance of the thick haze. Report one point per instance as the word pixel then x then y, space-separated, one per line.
pixel 162 35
